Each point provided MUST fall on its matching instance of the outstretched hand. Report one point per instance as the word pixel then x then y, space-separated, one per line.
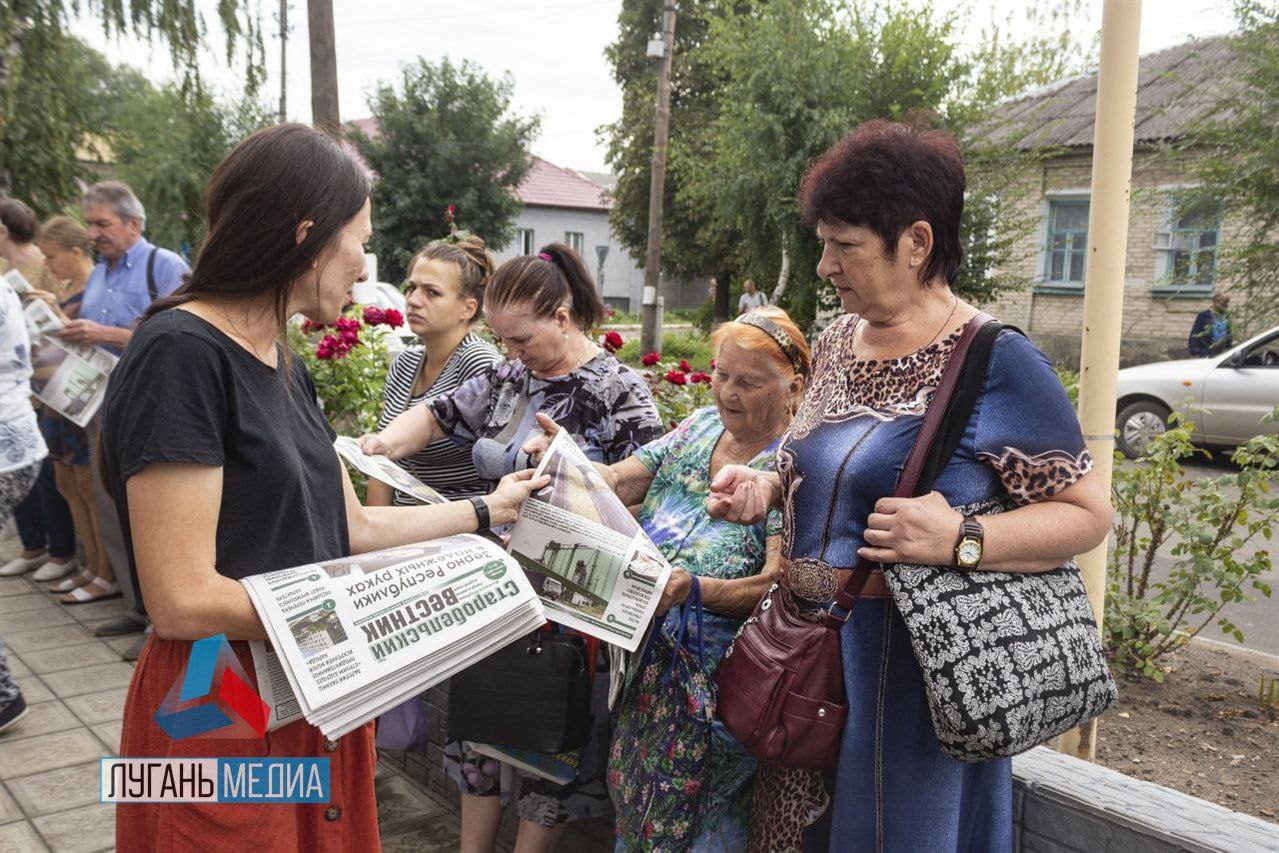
pixel 740 494
pixel 373 445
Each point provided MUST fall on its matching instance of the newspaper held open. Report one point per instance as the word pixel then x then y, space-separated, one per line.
pixel 71 379
pixel 384 470
pixel 18 282
pixel 585 554
pixel 358 635
pixel 41 319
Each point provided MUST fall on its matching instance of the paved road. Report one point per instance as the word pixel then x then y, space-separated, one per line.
pixel 1259 620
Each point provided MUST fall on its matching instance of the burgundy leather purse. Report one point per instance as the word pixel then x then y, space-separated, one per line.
pixel 781 683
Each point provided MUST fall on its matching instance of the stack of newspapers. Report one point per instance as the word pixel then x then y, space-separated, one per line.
pixel 354 637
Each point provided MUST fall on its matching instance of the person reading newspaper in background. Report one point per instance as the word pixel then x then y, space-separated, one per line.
pixel 69 255
pixel 761 360
pixel 541 307
pixel 130 274
pixel 443 298
pixel 222 466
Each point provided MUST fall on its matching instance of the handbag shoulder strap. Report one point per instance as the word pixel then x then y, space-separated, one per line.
pixel 959 411
pixel 934 419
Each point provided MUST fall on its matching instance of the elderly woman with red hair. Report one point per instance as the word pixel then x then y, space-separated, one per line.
pixel 886 203
pixel 761 360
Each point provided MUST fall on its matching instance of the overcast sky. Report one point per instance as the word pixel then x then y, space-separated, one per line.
pixel 554 50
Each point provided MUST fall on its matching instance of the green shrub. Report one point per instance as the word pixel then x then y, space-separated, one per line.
pixel 1213 519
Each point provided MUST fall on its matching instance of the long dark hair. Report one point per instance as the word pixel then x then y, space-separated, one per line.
pixel 555 276
pixel 258 195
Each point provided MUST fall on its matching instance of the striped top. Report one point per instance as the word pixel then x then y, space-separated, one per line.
pixel 443 465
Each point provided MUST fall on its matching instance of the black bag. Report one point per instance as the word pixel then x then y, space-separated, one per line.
pixel 534 694
pixel 1009 659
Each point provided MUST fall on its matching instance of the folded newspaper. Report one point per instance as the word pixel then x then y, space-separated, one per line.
pixel 17 281
pixel 41 319
pixel 383 469
pixel 71 379
pixel 354 637
pixel 585 554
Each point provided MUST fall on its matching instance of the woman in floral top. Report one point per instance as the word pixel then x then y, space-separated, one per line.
pixel 761 361
pixel 541 307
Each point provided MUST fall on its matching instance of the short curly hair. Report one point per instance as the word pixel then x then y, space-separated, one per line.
pixel 885 176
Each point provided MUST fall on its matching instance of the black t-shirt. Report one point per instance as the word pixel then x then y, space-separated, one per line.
pixel 185 392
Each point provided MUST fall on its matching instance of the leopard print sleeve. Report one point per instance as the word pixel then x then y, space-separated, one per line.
pixel 1025 427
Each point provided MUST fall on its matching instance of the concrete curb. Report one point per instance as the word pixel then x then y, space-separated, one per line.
pixel 1065 805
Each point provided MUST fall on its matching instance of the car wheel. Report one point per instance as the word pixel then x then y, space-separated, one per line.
pixel 1138 424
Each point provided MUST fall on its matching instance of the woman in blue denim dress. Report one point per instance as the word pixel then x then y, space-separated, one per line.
pixel 886 203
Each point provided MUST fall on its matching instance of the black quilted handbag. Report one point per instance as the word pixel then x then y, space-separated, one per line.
pixel 1009 659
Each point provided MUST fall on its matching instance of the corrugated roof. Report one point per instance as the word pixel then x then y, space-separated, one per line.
pixel 1175 88
pixel 548 185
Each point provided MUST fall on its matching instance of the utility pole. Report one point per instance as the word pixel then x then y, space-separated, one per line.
pixel 1104 281
pixel 284 38
pixel 650 334
pixel 324 67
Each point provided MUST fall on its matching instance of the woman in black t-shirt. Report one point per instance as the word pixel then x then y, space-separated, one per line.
pixel 222 466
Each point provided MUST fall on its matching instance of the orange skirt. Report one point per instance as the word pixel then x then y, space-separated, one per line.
pixel 348 822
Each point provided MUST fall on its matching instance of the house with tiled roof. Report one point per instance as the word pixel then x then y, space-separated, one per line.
pixel 567 206
pixel 1171 270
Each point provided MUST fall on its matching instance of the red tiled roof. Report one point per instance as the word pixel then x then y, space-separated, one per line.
pixel 369 126
pixel 548 185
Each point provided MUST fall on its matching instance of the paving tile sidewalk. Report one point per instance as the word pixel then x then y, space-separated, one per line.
pixel 75 684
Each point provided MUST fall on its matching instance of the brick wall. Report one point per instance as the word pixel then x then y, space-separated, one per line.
pixel 1155 326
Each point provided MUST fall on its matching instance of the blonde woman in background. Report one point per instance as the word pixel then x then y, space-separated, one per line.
pixel 69 256
pixel 444 296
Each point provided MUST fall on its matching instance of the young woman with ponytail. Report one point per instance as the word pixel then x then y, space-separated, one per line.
pixel 444 296
pixel 541 307
pixel 221 465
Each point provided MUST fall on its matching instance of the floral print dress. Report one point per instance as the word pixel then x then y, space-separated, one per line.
pixel 894 789
pixel 674 517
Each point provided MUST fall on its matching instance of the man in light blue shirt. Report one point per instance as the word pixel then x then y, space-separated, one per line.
pixel 129 276
pixel 130 273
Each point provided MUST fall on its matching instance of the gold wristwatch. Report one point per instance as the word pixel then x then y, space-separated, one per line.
pixel 968 549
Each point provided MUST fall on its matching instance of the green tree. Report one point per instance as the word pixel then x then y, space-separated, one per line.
pixel 51 102
pixel 167 143
pixel 693 245
pixel 1235 157
pixel 446 136
pixel 762 88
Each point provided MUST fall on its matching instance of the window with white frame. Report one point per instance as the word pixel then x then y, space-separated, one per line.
pixel 1067 243
pixel 1187 249
pixel 524 241
pixel 574 240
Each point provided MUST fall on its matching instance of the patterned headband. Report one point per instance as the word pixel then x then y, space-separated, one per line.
pixel 774 331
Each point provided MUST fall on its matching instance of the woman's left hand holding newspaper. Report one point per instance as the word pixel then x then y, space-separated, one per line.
pixel 505 501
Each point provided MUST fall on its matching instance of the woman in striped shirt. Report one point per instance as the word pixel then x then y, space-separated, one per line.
pixel 445 293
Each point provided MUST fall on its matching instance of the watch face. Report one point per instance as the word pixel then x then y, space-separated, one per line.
pixel 969 552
